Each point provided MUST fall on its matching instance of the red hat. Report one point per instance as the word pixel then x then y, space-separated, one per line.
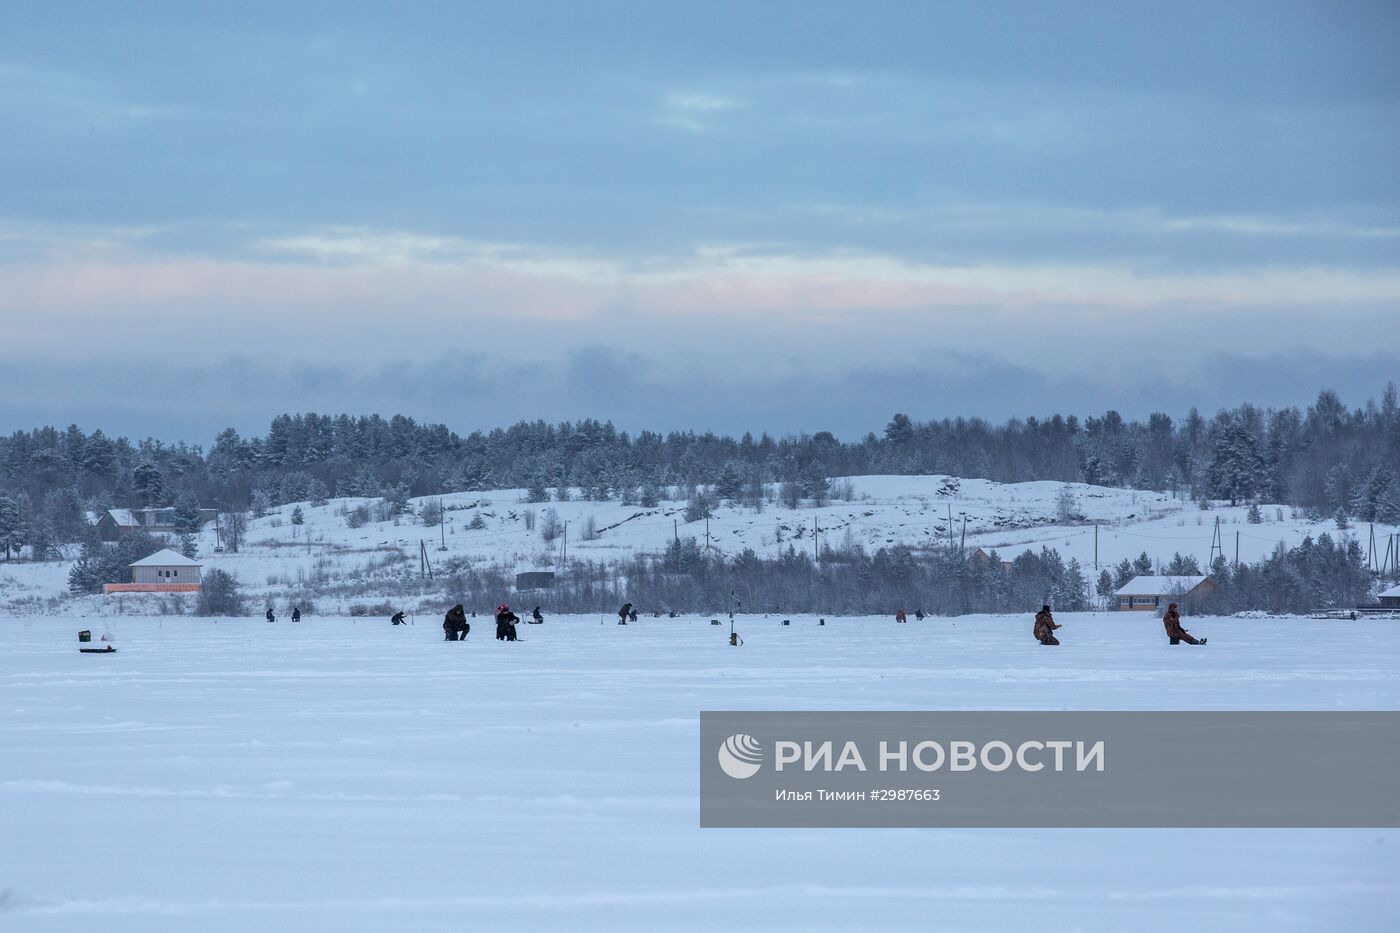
pixel 502 607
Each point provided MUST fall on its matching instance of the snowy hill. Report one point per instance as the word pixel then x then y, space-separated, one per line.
pixel 328 555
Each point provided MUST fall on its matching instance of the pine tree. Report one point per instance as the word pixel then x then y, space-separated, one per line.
pixel 1254 516
pixel 729 485
pixel 1237 469
pixel 261 502
pixel 1105 587
pixel 188 545
pixel 650 495
pixel 148 484
pixel 699 507
pixel 317 492
pixel 537 491
pixel 815 485
pixel 186 514
pixel 219 594
pixel 298 517
pixel 11 526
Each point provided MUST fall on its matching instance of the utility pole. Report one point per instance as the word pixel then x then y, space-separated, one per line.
pixel 1216 545
pixel 1371 550
pixel 707 534
pixel 1096 546
pixel 442 527
pixel 564 553
pixel 950 526
pixel 1237 550
pixel 962 544
pixel 676 529
pixel 816 558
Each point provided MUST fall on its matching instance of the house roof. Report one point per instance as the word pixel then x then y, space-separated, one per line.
pixel 167 558
pixel 1393 591
pixel 123 517
pixel 1159 586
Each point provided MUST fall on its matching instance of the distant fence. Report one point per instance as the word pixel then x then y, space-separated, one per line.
pixel 150 588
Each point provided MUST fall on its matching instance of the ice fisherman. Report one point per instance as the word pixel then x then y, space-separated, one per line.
pixel 1045 627
pixel 455 625
pixel 536 617
pixel 397 618
pixel 270 616
pixel 505 623
pixel 623 613
pixel 1171 621
pixel 296 613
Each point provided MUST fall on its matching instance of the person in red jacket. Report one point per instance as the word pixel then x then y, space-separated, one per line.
pixel 899 616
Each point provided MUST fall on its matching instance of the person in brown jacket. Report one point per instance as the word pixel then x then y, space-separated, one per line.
pixel 455 625
pixel 899 616
pixel 1045 627
pixel 1171 621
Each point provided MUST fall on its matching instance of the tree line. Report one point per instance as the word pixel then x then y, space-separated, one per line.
pixel 1327 458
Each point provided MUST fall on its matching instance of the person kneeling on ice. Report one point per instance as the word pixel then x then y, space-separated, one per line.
pixel 296 613
pixel 623 613
pixel 455 625
pixel 1171 621
pixel 505 623
pixel 397 618
pixel 1045 627
pixel 535 617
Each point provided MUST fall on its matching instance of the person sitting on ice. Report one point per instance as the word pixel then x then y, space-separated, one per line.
pixel 270 616
pixel 919 614
pixel 536 617
pixel 1045 627
pixel 397 618
pixel 296 613
pixel 455 625
pixel 505 623
pixel 899 616
pixel 632 616
pixel 1171 621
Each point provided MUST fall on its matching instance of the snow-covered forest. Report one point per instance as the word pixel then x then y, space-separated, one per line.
pixel 1328 458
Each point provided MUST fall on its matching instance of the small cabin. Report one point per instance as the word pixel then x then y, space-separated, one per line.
pixel 1152 594
pixel 534 580
pixel 1390 599
pixel 165 571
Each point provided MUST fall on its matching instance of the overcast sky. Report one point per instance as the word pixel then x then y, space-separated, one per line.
pixel 723 216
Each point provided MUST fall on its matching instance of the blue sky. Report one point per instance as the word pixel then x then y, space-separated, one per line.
pixel 730 216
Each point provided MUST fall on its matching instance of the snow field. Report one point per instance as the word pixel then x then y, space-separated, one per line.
pixel 340 775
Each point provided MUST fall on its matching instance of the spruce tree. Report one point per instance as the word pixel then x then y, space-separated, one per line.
pixel 537 491
pixel 11 525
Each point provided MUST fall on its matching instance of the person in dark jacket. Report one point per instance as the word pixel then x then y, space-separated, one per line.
pixel 270 616
pixel 296 613
pixel 505 623
pixel 1171 621
pixel 397 618
pixel 632 616
pixel 455 625
pixel 919 614
pixel 536 618
pixel 1045 627
pixel 623 613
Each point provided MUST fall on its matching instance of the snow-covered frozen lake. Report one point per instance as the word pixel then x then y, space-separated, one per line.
pixel 352 776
